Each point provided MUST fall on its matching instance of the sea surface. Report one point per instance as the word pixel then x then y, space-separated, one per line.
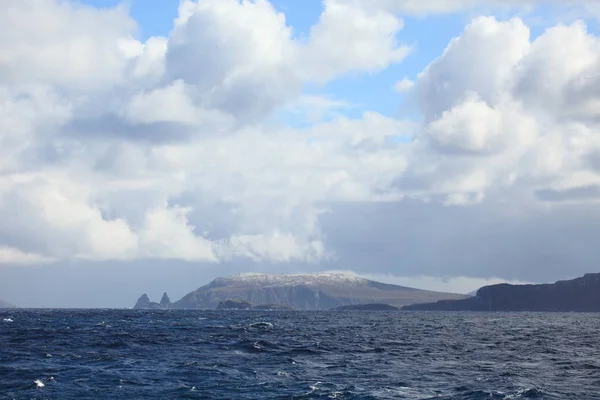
pixel 181 354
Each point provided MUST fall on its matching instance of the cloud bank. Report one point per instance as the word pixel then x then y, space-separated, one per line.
pixel 166 149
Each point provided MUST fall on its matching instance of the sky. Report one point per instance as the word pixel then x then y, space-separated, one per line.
pixel 153 146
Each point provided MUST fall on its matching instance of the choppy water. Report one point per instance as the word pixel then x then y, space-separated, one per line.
pixel 127 354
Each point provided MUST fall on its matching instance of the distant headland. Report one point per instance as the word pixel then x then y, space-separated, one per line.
pixel 577 295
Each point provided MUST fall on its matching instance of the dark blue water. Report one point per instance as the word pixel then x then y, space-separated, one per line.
pixel 127 354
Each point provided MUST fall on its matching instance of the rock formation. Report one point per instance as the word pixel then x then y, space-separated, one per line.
pixel 144 303
pixel 234 305
pixel 165 302
pixel 302 292
pixel 580 294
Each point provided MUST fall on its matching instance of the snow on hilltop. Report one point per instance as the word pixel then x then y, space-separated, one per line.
pixel 330 278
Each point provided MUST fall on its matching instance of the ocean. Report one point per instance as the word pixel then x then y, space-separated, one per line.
pixel 185 354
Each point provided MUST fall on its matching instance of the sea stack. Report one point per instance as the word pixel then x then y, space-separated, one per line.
pixel 4 304
pixel 165 302
pixel 144 303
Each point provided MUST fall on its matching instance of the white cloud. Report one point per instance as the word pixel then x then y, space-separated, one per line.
pixel 473 127
pixel 11 256
pixel 62 43
pixel 421 8
pixel 117 149
pixel 315 108
pixel 238 56
pixel 173 103
pixel 495 125
pixel 277 248
pixel 544 80
pixel 348 38
pixel 55 217
pixel 169 104
pixel 481 60
pixel 168 234
pixel 404 85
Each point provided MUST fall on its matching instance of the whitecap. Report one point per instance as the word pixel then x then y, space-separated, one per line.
pixel 261 325
pixel 8 320
pixel 39 383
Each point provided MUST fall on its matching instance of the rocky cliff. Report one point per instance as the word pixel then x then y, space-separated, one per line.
pixel 580 294
pixel 302 292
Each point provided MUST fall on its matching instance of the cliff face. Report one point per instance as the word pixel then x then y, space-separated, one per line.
pixel 304 292
pixel 580 294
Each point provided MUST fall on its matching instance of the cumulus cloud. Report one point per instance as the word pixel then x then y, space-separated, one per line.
pixel 117 149
pixel 349 38
pixel 404 85
pixel 14 257
pixel 82 46
pixel 420 8
pixel 490 124
pixel 237 56
pixel 102 132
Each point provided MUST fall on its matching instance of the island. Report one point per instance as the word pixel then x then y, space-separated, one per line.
pixel 577 295
pixel 367 307
pixel 320 291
